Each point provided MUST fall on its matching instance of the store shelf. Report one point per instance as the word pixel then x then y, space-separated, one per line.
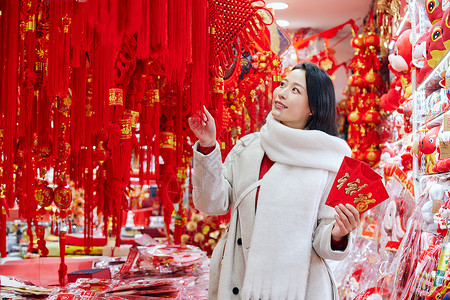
pixel 432 80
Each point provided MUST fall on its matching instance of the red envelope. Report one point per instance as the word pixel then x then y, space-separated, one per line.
pixel 357 184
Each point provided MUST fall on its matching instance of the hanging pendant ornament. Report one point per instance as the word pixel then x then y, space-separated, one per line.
pixel 43 194
pixel 115 104
pixel 41 244
pixel 372 155
pixel 355 117
pixel 63 198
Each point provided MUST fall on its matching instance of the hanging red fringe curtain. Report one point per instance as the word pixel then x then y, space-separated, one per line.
pixel 94 46
pixel 9 63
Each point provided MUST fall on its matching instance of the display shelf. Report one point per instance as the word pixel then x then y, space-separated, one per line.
pixel 432 80
pixel 424 108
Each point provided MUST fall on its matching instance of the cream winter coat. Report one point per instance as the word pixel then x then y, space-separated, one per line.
pixel 218 187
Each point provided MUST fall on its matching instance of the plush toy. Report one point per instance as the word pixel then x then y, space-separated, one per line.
pixel 400 59
pixel 446 28
pixel 435 50
pixel 435 44
pixel 392 99
pixel 400 63
pixel 438 193
pixel 435 9
pixel 406 110
pixel 407 159
pixel 428 146
pixel 392 230
pixel 442 217
pixel 419 55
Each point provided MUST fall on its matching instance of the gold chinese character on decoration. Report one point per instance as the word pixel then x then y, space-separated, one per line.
pixel 352 187
pixel 342 180
pixel 116 97
pixel 125 128
pixel 362 201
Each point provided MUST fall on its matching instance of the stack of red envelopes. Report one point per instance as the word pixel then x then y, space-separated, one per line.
pixel 357 184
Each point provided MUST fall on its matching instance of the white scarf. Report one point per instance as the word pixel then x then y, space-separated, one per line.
pixel 286 216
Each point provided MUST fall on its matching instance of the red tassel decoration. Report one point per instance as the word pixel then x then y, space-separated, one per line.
pixel 89 188
pixel 159 23
pixel 145 31
pixel 8 95
pixel 175 62
pixel 200 59
pixel 62 272
pixel 60 20
pixel 3 232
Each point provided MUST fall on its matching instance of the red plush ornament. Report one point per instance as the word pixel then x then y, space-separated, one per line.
pixel 355 117
pixel 434 10
pixel 372 40
pixel 371 116
pixel 63 197
pixel 357 80
pixel 446 29
pixel 392 99
pixel 373 79
pixel 435 50
pixel 357 42
pixel 43 195
pixel 428 145
pixel 372 155
pixel 400 59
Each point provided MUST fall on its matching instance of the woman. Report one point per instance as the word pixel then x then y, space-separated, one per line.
pixel 276 182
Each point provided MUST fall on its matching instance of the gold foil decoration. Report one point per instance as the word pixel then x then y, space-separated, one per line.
pixel 219 86
pixel 151 97
pixel 133 116
pixel 125 128
pixel 116 97
pixel 168 140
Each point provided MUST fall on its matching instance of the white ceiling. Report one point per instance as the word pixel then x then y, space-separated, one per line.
pixel 321 15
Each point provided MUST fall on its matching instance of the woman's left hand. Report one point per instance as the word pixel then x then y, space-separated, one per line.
pixel 347 220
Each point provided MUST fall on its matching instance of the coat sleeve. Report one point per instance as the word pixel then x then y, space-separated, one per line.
pixel 212 182
pixel 325 223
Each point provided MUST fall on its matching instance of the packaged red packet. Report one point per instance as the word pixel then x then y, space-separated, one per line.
pixel 357 184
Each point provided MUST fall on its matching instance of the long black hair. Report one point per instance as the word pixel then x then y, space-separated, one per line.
pixel 321 99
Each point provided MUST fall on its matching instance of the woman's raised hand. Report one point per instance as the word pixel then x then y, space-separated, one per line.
pixel 347 220
pixel 204 128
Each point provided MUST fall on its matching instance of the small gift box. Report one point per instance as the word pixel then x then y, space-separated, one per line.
pixel 357 184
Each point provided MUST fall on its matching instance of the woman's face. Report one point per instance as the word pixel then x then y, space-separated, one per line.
pixel 290 100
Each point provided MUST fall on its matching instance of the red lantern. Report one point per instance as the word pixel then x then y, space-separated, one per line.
pixel 373 79
pixel 372 155
pixel 354 117
pixel 371 117
pixel 372 41
pixel 357 80
pixel 63 197
pixel 101 154
pixel 43 195
pixel 358 42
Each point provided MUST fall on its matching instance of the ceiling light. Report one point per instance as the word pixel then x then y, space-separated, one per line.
pixel 277 5
pixel 282 23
